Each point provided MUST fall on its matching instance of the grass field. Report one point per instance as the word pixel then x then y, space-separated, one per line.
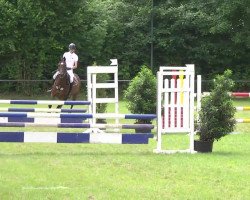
pixel 91 171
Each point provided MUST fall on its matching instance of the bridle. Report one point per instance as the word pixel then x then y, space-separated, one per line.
pixel 62 69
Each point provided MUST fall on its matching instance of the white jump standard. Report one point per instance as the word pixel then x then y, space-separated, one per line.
pixel 167 92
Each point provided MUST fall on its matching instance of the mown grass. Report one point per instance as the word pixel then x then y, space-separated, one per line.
pixel 91 171
pixel 85 171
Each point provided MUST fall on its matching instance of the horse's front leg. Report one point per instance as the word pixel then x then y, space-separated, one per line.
pixel 50 106
pixel 59 106
pixel 53 98
pixel 74 97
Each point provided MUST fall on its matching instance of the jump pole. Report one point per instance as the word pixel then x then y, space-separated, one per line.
pixel 240 94
pixel 61 137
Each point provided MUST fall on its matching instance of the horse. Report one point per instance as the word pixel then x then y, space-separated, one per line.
pixel 61 86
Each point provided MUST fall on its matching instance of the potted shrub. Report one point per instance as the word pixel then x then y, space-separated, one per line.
pixel 140 95
pixel 216 117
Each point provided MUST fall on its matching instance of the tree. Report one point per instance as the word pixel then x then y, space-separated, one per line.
pixel 211 34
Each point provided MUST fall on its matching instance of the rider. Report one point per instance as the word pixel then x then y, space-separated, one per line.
pixel 71 63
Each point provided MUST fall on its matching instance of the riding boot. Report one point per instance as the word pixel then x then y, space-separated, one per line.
pixel 53 81
pixel 70 88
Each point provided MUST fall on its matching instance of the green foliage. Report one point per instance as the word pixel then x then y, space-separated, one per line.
pixel 217 110
pixel 124 172
pixel 141 93
pixel 211 34
pixel 35 34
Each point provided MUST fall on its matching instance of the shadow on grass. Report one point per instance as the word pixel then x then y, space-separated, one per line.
pixel 95 152
pixel 119 153
pixel 18 150
pixel 79 154
pixel 229 154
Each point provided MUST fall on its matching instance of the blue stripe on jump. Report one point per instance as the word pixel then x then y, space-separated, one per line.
pixel 13 115
pixel 21 119
pixel 36 102
pixel 17 124
pixel 65 110
pixel 21 110
pixel 140 116
pixel 71 120
pixel 23 102
pixel 69 125
pixel 73 137
pixel 139 138
pixel 11 136
pixel 137 126
pixel 76 103
pixel 74 110
pixel 32 120
pixel 76 115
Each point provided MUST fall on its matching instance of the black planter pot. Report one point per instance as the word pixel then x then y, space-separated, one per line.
pixel 203 146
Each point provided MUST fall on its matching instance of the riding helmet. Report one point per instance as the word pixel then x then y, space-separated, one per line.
pixel 72 46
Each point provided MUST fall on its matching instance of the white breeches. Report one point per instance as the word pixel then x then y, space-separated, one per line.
pixel 71 75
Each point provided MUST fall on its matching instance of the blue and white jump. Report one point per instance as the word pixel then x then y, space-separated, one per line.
pixel 78 115
pixel 17 119
pixel 75 118
pixel 51 110
pixel 48 119
pixel 78 125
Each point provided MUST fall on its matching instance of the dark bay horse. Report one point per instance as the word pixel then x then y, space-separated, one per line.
pixel 61 86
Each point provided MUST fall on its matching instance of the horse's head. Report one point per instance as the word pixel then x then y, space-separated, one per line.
pixel 62 68
pixel 61 86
